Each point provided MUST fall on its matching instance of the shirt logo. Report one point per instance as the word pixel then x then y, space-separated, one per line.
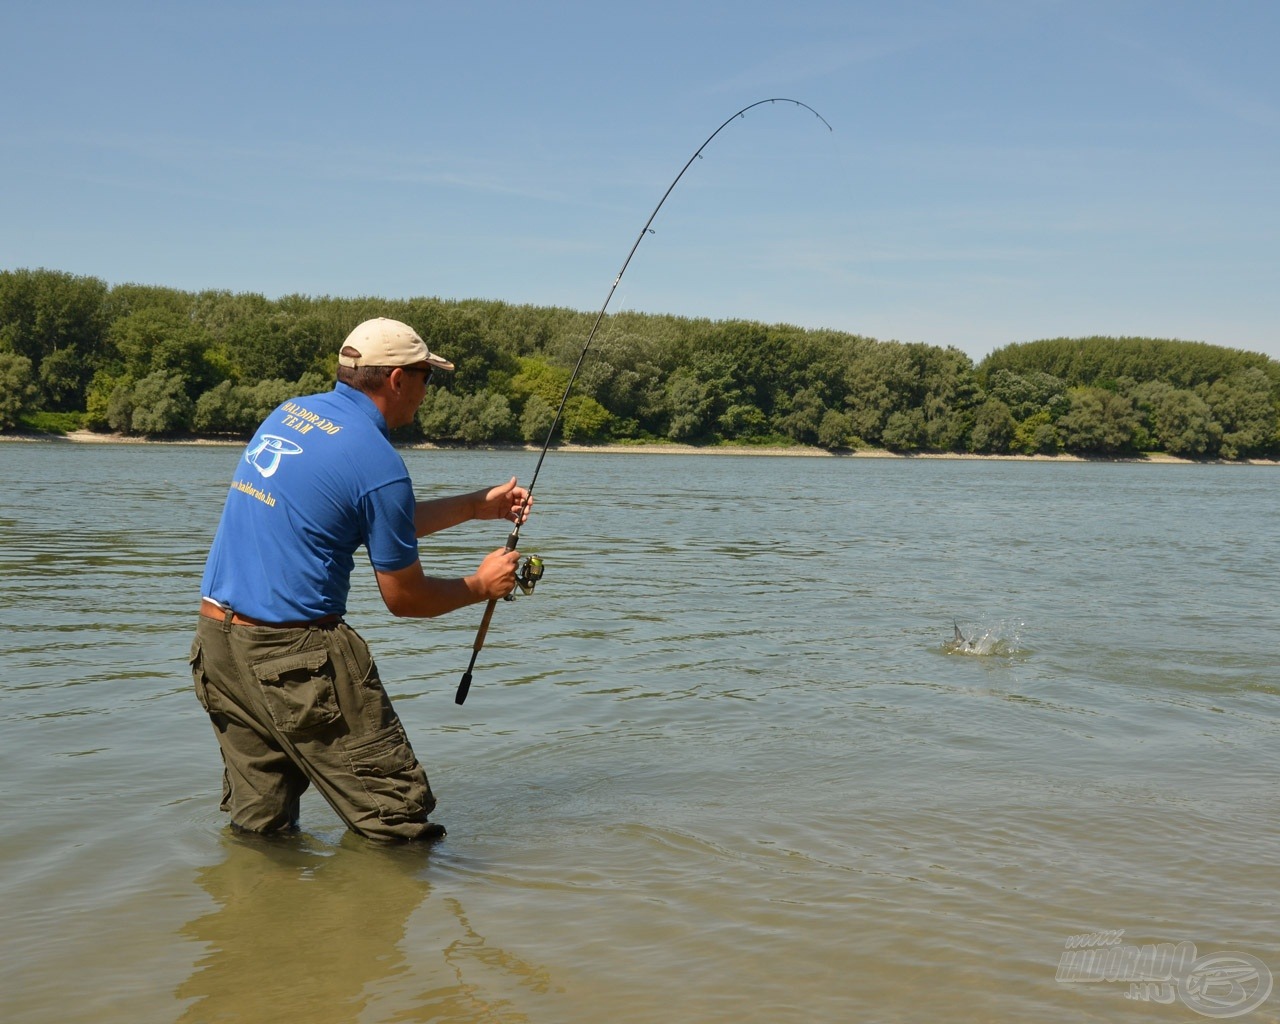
pixel 265 456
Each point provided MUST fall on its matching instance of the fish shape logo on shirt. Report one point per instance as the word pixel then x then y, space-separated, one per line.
pixel 265 456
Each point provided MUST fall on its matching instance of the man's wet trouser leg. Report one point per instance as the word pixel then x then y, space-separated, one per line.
pixel 299 706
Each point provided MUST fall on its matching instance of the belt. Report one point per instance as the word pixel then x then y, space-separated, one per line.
pixel 210 610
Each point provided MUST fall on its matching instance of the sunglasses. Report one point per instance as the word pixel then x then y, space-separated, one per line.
pixel 426 372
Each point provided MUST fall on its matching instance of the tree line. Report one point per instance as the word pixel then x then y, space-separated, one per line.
pixel 160 362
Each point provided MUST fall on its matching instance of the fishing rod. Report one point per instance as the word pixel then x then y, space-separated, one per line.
pixel 531 567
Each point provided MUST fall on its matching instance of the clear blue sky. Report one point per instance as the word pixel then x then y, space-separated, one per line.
pixel 999 170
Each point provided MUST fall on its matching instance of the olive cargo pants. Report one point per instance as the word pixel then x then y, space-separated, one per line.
pixel 299 706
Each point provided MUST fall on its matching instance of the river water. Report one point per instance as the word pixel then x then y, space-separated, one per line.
pixel 719 767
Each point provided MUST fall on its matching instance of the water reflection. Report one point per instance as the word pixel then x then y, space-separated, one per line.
pixel 298 931
pixel 304 930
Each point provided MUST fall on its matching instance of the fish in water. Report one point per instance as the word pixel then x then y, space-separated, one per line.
pixel 959 643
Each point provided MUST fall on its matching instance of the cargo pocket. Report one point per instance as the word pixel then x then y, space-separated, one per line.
pixel 392 778
pixel 196 660
pixel 299 696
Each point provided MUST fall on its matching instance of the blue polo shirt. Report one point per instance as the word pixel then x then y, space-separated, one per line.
pixel 319 479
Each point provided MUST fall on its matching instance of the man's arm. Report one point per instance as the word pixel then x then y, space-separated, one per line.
pixel 408 592
pixel 506 501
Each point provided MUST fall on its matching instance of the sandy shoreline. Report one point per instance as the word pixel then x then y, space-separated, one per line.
pixel 793 451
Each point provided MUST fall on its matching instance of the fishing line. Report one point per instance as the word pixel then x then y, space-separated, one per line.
pixel 531 569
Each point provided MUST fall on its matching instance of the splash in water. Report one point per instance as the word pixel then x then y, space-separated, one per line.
pixel 1000 641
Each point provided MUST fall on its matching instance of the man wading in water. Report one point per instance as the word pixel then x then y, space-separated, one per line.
pixel 291 689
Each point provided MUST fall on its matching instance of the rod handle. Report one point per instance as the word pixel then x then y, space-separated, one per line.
pixel 464 686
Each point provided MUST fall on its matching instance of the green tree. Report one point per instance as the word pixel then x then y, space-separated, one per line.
pixel 689 407
pixel 265 395
pixel 1105 362
pixel 623 373
pixel 994 428
pixel 119 410
pixel 585 419
pixel 803 415
pixel 836 431
pixel 1244 405
pixel 655 376
pixel 98 399
pixel 904 431
pixel 43 312
pixel 743 422
pixel 948 392
pixel 946 426
pixel 161 405
pixel 440 415
pixel 715 389
pixel 460 334
pixel 1184 424
pixel 880 380
pixel 925 392
pixel 17 388
pixel 154 339
pixel 536 420
pixel 288 341
pixel 751 360
pixel 1098 421
pixel 235 326
pixel 63 379
pixel 1027 394
pixel 536 376
pixel 486 417
pixel 1037 435
pixel 1146 396
pixel 226 408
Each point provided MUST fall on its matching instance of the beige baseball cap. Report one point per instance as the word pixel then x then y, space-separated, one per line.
pixel 383 342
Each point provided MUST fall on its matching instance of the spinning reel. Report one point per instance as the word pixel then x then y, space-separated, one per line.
pixel 527 575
